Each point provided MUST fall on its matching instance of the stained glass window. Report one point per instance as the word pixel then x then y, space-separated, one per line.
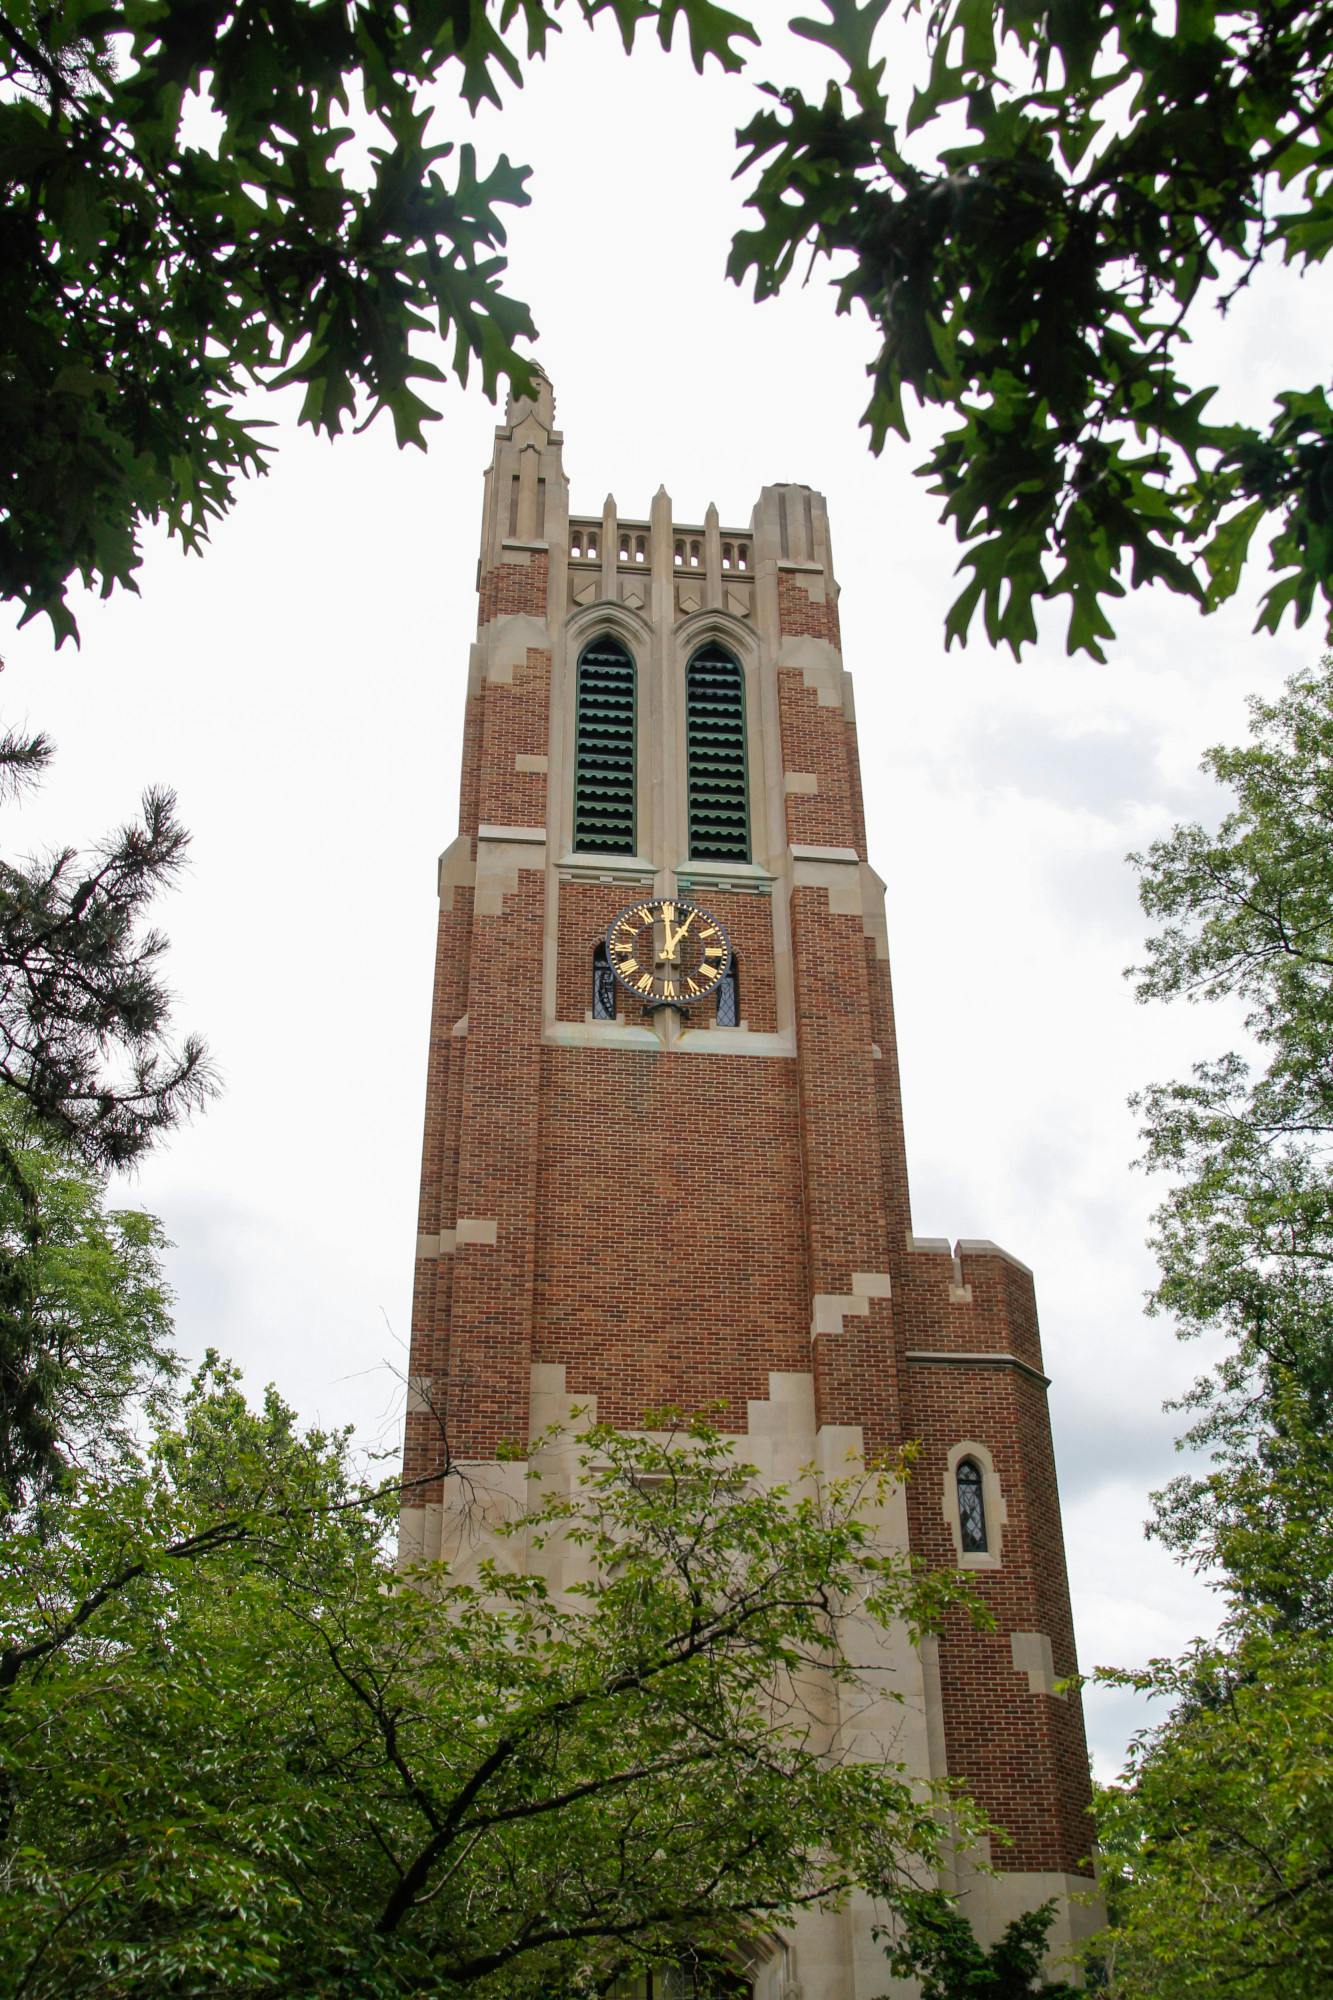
pixel 729 997
pixel 971 1508
pixel 603 986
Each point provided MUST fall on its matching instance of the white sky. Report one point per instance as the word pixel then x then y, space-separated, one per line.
pixel 302 688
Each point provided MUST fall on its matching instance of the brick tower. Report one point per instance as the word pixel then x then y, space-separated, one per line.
pixel 659 712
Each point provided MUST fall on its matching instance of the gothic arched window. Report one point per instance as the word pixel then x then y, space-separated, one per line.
pixel 604 749
pixel 603 985
pixel 971 1507
pixel 715 753
pixel 729 996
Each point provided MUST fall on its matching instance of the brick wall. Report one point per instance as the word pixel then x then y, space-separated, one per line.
pixel 514 587
pixel 515 727
pixel 670 1257
pixel 1022 1753
pixel 799 614
pixel 814 743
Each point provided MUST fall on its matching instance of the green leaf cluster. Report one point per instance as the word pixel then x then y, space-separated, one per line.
pixel 85 1328
pixel 150 278
pixel 1219 1844
pixel 238 1754
pixel 1218 1847
pixel 937 1946
pixel 1029 234
pixel 1244 1238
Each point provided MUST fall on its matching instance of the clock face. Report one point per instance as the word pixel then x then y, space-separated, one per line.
pixel 667 952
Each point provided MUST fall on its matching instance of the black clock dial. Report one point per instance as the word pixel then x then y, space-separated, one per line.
pixel 668 951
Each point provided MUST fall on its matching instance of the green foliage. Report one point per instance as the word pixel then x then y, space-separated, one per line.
pixel 1219 1845
pixel 236 1756
pixel 83 1007
pixel 1244 1239
pixel 1029 235
pixel 1218 1848
pixel 936 1945
pixel 151 275
pixel 85 1332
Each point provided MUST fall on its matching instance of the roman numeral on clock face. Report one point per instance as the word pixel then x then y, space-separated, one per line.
pixel 668 951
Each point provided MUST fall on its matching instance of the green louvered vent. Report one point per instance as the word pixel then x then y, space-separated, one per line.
pixel 715 736
pixel 604 750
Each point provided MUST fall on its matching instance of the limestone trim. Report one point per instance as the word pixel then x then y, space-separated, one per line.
pixel 981 1246
pixel 524 760
pixel 704 1039
pixel 954 1357
pixel 456 869
pixel 503 853
pixel 805 782
pixel 504 643
pixel 992 1499
pixel 851 885
pixel 744 878
pixel 708 1039
pixel 574 866
pixel 827 679
pixel 1032 1655
pixel 599 1035
pixel 830 1309
pixel 530 835
pixel 475 1229
pixel 845 855
pixel 442 1244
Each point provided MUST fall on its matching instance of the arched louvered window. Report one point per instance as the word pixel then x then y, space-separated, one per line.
pixel 604 750
pixel 729 996
pixel 971 1507
pixel 715 747
pixel 603 985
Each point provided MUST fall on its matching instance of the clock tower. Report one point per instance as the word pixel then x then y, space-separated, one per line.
pixel 662 1012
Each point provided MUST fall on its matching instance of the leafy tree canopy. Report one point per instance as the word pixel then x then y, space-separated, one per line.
pixel 85 1331
pixel 1244 1239
pixel 1029 231
pixel 1219 1846
pixel 238 1756
pixel 152 273
pixel 1217 1849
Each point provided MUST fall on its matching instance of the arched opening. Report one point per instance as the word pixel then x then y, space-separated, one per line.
pixel 719 810
pixel 604 730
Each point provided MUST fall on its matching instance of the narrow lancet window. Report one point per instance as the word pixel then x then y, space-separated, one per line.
pixel 603 986
pixel 715 745
pixel 729 996
pixel 971 1508
pixel 604 750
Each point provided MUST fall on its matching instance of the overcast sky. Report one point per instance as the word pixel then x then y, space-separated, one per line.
pixel 302 688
